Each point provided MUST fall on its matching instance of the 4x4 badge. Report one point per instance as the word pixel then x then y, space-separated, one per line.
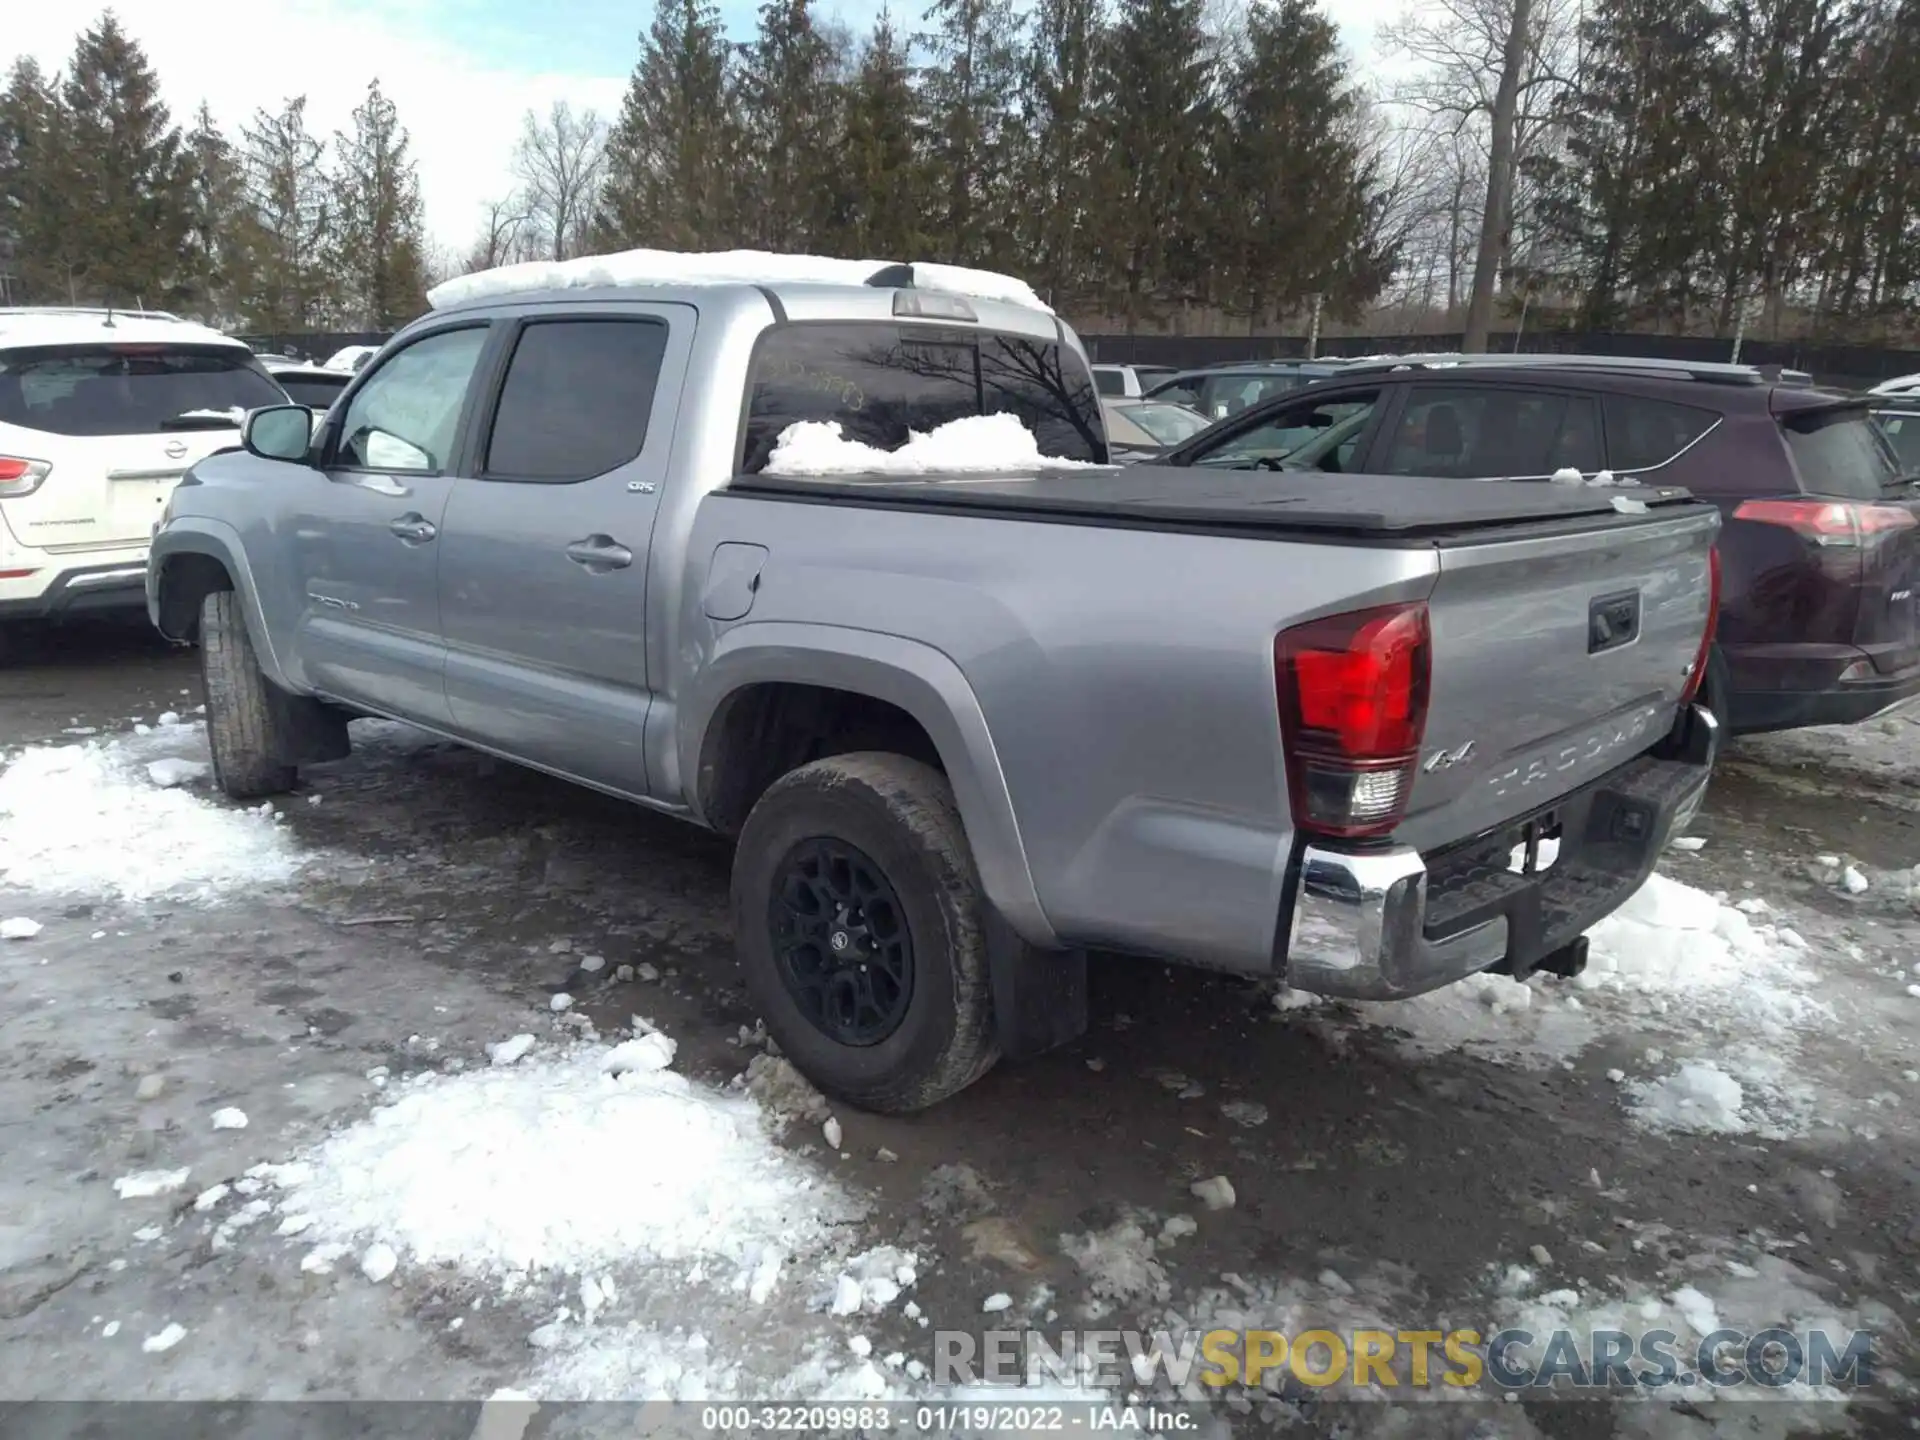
pixel 1447 759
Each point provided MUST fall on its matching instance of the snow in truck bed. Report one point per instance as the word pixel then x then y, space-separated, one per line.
pixel 720 267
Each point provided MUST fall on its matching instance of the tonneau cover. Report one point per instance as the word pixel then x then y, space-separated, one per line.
pixel 1206 498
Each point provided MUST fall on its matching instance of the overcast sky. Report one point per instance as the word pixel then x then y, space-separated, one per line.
pixel 461 71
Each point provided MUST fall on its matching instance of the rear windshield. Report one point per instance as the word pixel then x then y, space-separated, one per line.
pixel 125 389
pixel 882 381
pixel 1840 453
pixel 1110 382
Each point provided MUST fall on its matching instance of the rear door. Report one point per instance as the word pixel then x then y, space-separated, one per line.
pixel 1491 432
pixel 543 565
pixel 119 425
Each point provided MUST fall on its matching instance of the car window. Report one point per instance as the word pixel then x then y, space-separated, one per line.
pixel 1488 431
pixel 1902 429
pixel 1224 396
pixel 1840 453
pixel 1308 435
pixel 1643 434
pixel 1121 429
pixel 126 389
pixel 1110 382
pixel 879 382
pixel 407 415
pixel 576 399
pixel 1177 390
pixel 1167 424
pixel 312 389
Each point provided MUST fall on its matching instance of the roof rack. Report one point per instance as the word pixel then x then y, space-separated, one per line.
pixel 1703 371
pixel 129 311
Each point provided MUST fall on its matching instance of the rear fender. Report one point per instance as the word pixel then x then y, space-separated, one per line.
pixel 917 679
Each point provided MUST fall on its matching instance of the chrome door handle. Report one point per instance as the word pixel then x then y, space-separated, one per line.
pixel 414 528
pixel 600 553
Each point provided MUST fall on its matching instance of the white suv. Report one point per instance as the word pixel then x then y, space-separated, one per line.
pixel 101 412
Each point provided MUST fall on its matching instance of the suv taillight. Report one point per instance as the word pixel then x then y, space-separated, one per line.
pixel 1699 672
pixel 1828 522
pixel 20 476
pixel 1353 708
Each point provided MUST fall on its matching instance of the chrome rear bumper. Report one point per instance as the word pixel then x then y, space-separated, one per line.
pixel 1366 924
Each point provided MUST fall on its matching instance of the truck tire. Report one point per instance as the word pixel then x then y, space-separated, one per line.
pixel 861 929
pixel 245 727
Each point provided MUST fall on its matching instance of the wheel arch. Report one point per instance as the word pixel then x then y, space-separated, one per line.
pixel 189 560
pixel 763 680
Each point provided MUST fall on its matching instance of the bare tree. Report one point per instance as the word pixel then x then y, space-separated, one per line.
pixel 559 163
pixel 1490 72
pixel 504 236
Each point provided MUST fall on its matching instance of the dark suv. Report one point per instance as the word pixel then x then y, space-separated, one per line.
pixel 1820 551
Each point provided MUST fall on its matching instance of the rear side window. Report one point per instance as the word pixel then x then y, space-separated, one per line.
pixel 1902 429
pixel 879 382
pixel 1110 382
pixel 311 390
pixel 1840 453
pixel 1487 432
pixel 126 389
pixel 576 400
pixel 1645 434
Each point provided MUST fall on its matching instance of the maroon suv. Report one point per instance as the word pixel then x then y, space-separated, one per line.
pixel 1820 552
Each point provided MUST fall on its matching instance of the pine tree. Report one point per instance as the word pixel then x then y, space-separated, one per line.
pixel 293 287
pixel 221 237
pixel 971 82
pixel 1156 118
pixel 672 154
pixel 1057 146
pixel 378 237
pixel 37 249
pixel 881 190
pixel 1290 200
pixel 125 203
pixel 789 105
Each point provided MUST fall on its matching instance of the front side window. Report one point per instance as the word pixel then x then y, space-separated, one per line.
pixel 132 389
pixel 407 415
pixel 1307 435
pixel 1485 432
pixel 577 398
pixel 882 382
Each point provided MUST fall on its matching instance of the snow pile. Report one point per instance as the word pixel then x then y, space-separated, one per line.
pixel 560 1165
pixel 719 267
pixel 973 444
pixel 1119 1262
pixel 1745 1090
pixel 1672 958
pixel 93 819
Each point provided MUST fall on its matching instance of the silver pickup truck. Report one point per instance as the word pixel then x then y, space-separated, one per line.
pixel 1369 735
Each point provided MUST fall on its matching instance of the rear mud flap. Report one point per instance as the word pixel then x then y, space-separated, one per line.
pixel 1039 996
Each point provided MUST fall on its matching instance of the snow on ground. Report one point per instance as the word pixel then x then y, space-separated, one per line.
pixel 973 444
pixel 719 267
pixel 130 817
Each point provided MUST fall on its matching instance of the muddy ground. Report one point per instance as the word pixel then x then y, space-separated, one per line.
pixel 428 931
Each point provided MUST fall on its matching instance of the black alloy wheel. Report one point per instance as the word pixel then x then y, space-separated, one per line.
pixel 840 935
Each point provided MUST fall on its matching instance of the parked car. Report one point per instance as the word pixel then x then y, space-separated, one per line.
pixel 351 358
pixel 1900 385
pixel 1128 381
pixel 1821 547
pixel 1143 429
pixel 963 728
pixel 1222 391
pixel 305 384
pixel 101 412
pixel 1899 421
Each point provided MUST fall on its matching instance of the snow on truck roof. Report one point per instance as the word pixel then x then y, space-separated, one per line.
pixel 729 267
pixel 26 327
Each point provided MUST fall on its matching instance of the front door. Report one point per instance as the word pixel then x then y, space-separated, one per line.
pixel 543 564
pixel 366 530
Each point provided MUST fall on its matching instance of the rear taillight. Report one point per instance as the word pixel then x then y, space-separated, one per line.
pixel 1828 522
pixel 1698 674
pixel 1353 709
pixel 20 476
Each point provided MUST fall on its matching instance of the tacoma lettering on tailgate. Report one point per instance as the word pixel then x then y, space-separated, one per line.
pixel 1627 733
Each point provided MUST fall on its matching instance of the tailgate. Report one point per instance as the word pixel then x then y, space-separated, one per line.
pixel 1556 658
pixel 106 491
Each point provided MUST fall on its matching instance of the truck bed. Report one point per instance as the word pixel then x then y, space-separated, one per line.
pixel 1382 508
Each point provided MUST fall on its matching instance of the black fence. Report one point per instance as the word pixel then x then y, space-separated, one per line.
pixel 1848 365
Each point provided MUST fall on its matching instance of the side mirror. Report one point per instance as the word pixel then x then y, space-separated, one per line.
pixel 278 432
